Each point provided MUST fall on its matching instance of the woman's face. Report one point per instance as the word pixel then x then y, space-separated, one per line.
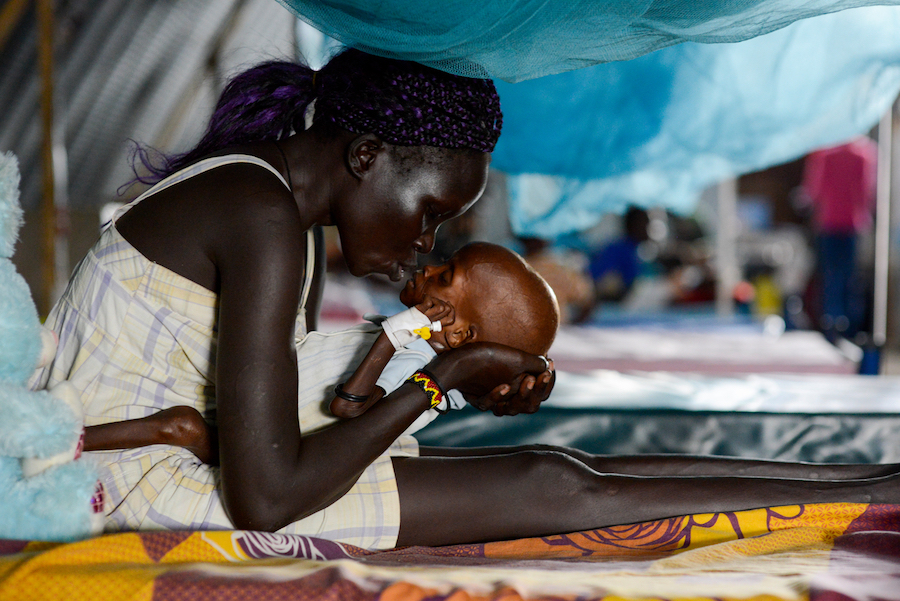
pixel 397 207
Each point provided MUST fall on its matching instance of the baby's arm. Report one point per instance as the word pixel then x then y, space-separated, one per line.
pixel 179 426
pixel 362 383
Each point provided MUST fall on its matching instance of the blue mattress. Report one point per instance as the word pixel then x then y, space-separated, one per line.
pixel 820 418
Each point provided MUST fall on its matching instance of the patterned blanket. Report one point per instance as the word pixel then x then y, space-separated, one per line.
pixel 835 551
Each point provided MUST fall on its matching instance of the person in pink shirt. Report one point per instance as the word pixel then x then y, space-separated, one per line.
pixel 840 183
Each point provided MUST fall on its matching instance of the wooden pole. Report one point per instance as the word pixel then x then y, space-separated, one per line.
pixel 10 15
pixel 48 206
pixel 882 228
pixel 727 268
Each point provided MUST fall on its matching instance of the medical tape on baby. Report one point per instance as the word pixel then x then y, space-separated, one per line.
pixel 408 326
pixel 427 384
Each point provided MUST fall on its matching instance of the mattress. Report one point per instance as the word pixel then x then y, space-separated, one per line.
pixel 792 417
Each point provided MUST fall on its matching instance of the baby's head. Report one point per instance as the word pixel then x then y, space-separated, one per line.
pixel 496 297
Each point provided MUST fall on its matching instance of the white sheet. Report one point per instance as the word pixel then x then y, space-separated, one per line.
pixel 776 393
pixel 580 349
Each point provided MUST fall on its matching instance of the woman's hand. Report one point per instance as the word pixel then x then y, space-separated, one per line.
pixel 496 377
pixel 523 395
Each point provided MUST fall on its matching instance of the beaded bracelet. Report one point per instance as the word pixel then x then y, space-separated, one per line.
pixel 429 385
pixel 353 398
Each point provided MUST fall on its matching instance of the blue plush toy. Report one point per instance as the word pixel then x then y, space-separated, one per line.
pixel 45 492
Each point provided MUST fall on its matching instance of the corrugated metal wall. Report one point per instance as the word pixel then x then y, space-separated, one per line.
pixel 143 69
pixel 148 70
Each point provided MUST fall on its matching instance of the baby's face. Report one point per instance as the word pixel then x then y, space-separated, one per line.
pixel 474 282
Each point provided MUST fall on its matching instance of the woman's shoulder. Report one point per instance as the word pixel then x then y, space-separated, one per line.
pixel 216 215
pixel 238 192
pixel 239 179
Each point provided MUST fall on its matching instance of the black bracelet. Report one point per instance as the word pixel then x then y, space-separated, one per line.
pixel 353 398
pixel 443 411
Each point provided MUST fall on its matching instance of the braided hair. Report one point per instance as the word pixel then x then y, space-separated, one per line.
pixel 402 102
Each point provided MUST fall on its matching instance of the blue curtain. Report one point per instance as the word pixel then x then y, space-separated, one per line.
pixel 654 130
pixel 515 40
pixel 658 129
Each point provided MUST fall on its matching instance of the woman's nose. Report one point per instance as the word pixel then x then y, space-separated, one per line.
pixel 424 244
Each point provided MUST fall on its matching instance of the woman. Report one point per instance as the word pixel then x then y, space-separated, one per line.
pixel 191 298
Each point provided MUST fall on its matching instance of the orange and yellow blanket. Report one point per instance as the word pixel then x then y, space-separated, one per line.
pixel 821 552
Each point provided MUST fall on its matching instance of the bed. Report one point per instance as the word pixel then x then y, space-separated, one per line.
pixel 698 341
pixel 678 339
pixel 816 552
pixel 792 417
pixel 835 551
pixel 822 552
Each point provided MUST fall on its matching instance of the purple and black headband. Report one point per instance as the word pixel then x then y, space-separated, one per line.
pixel 402 102
pixel 408 104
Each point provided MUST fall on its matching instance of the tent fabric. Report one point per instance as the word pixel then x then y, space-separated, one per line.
pixel 656 130
pixel 525 39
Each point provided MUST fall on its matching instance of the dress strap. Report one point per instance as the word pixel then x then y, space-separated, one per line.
pixel 310 269
pixel 228 159
pixel 196 169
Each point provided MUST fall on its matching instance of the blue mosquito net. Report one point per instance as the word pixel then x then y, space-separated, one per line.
pixel 657 129
pixel 515 40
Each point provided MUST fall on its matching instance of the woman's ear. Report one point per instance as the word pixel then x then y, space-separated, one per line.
pixel 362 154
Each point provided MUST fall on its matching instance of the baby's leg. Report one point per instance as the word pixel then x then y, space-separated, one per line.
pixel 450 500
pixel 179 426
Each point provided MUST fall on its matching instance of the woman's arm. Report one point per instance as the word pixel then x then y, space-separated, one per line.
pixel 490 374
pixel 271 475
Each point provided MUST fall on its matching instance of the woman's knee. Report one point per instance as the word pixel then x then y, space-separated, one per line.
pixel 556 472
pixel 576 454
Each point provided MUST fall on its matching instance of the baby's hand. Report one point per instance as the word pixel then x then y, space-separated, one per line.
pixel 436 310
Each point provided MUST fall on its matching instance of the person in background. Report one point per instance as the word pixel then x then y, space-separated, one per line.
pixel 839 183
pixel 615 267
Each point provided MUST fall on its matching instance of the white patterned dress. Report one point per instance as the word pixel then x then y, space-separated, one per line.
pixel 136 338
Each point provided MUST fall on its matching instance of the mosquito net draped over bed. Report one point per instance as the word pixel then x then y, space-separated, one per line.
pixel 524 39
pixel 656 130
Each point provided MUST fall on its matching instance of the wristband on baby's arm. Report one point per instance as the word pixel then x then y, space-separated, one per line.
pixel 353 398
pixel 427 383
pixel 408 326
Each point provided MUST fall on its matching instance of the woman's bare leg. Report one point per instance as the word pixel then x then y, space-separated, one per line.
pixel 687 465
pixel 451 500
